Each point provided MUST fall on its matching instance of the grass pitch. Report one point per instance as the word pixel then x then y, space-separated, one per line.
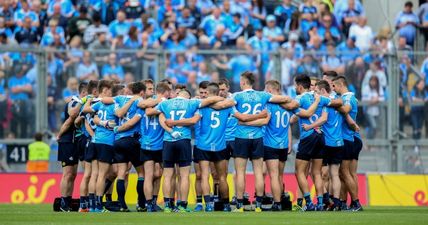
pixel 43 215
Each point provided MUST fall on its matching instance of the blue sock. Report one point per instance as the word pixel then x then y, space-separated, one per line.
pixel 155 199
pixel 336 202
pixel 83 202
pixel 64 203
pixel 240 203
pixel 199 199
pixel 300 202
pixel 320 200
pixel 308 199
pixel 207 199
pixel 326 198
pixel 99 202
pixel 259 200
pixel 91 201
pixel 121 190
pixel 140 192
pixel 179 203
pixel 167 202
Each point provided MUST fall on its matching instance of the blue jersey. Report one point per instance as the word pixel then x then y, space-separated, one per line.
pixel 232 122
pixel 197 130
pixel 332 128
pixel 349 99
pixel 250 102
pixel 151 132
pixel 102 134
pixel 177 109
pixel 306 100
pixel 276 131
pixel 120 101
pixel 214 123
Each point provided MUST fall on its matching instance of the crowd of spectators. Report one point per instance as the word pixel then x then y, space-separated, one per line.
pixel 121 40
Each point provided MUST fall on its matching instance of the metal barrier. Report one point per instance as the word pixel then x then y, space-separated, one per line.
pixel 386 151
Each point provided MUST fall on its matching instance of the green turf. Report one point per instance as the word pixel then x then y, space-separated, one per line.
pixel 43 215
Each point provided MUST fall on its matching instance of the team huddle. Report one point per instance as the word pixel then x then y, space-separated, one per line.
pixel 111 127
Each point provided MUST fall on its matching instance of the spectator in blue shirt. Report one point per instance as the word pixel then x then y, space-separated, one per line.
pixel 119 26
pixel 187 38
pixel 87 69
pixel 7 12
pixel 234 29
pixel 182 70
pixel 406 22
pixel 257 14
pixel 5 30
pixel 50 33
pixel 273 32
pixel 26 33
pixel 284 14
pixel 20 93
pixel 331 61
pixel 220 39
pixel 24 12
pixel 71 89
pixel 418 97
pixel 309 66
pixel 67 8
pixel 210 22
pixel 350 16
pixel 328 32
pixel 424 70
pixel 107 10
pixel 308 17
pixel 294 45
pixel 113 70
pixel 261 44
pixel 206 6
pixel 348 52
pixel 187 20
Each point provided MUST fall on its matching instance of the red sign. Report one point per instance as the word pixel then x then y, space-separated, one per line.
pixel 44 188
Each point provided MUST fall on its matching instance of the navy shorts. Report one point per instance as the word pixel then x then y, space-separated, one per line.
pixel 348 149
pixel 212 156
pixel 82 145
pixel 275 153
pixel 150 155
pixel 104 153
pixel 230 147
pixel 358 146
pixel 68 153
pixel 127 149
pixel 332 155
pixel 248 148
pixel 196 154
pixel 311 147
pixel 90 153
pixel 177 152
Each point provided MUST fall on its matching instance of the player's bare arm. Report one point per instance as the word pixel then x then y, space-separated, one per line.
pixel 318 123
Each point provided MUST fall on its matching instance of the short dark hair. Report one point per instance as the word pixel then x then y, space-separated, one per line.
pixel 137 87
pixel 166 81
pixel 213 88
pixel 249 76
pixel 322 84
pixel 304 80
pixel 274 84
pixel 116 88
pixel 104 84
pixel 38 136
pixel 341 79
pixel 330 73
pixel 180 86
pixel 408 4
pixel 162 87
pixel 204 84
pixel 224 81
pixel 92 85
pixel 148 81
pixel 83 86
